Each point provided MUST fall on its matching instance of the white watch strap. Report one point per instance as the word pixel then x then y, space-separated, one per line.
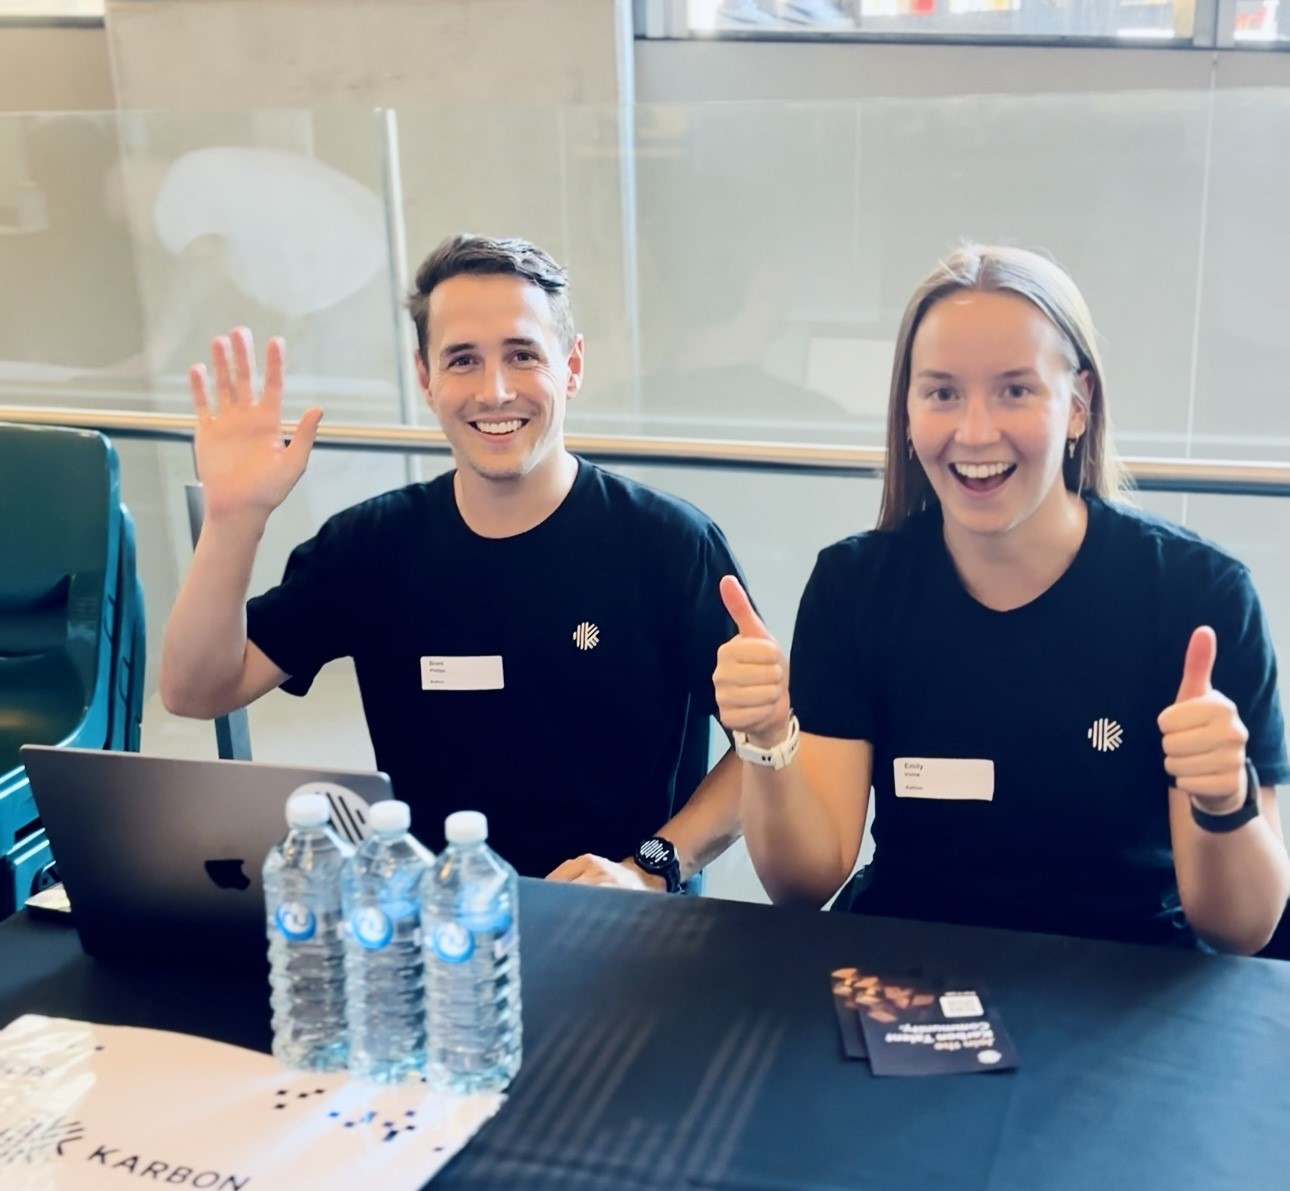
pixel 777 756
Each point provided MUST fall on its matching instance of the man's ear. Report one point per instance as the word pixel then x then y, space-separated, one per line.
pixel 574 364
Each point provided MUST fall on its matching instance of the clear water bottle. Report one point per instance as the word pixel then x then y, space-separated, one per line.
pixel 306 951
pixel 470 920
pixel 384 969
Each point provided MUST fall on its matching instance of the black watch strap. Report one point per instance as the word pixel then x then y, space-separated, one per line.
pixel 658 856
pixel 1249 809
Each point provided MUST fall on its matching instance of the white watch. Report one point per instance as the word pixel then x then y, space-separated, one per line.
pixel 776 757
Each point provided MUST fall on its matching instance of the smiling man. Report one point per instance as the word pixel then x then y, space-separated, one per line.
pixel 533 636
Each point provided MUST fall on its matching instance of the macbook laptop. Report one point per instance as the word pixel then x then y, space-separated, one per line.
pixel 161 857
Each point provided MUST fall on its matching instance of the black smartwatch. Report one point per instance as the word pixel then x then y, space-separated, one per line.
pixel 1248 810
pixel 658 857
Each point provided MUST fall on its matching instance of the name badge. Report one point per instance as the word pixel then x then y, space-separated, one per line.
pixel 462 674
pixel 944 777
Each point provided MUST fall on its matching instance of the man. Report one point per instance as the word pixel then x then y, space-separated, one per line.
pixel 532 635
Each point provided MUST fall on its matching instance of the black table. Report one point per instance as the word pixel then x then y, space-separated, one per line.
pixel 674 1042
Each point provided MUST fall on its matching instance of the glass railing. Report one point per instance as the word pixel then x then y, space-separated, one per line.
pixel 738 271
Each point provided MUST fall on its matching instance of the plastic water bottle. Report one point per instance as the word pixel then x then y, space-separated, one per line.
pixel 384 969
pixel 470 918
pixel 306 951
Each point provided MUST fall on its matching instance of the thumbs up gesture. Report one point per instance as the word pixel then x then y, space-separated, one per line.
pixel 1203 736
pixel 751 678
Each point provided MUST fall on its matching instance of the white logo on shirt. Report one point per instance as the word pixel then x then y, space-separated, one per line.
pixel 586 635
pixel 1106 735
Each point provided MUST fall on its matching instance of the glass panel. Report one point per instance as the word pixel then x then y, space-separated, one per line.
pixel 770 294
pixel 552 176
pixel 738 271
pixel 759 299
pixel 992 19
pixel 1243 351
pixel 720 294
pixel 64 230
pixel 141 235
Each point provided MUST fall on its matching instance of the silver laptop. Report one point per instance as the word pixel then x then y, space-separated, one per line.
pixel 161 857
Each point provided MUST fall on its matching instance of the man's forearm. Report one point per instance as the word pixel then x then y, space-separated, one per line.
pixel 709 821
pixel 204 650
pixel 1233 885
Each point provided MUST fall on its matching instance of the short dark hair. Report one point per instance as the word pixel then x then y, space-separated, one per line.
pixel 466 253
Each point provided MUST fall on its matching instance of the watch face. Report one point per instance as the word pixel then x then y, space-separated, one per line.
pixel 654 855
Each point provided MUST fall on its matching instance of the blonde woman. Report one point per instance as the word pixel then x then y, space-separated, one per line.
pixel 1065 709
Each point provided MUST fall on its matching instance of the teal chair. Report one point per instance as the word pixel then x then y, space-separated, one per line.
pixel 129 647
pixel 71 631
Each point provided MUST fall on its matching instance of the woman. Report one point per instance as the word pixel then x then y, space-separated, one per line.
pixel 1067 710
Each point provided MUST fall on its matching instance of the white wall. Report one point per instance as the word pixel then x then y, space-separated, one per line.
pixel 318 53
pixel 54 68
pixel 66 68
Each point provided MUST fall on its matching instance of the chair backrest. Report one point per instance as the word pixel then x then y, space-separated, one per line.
pixel 59 557
pixel 1279 945
pixel 129 647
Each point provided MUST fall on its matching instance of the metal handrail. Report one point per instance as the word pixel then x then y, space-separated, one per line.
pixel 1228 477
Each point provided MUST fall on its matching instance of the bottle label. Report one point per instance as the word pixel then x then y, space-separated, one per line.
pixel 481 910
pixel 452 942
pixel 505 943
pixel 371 927
pixel 399 908
pixel 296 921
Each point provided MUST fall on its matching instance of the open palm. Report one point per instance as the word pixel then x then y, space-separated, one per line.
pixel 242 461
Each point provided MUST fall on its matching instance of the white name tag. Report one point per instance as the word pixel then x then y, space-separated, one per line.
pixel 462 674
pixel 944 777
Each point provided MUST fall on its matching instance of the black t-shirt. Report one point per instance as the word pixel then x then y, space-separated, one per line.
pixel 1060 697
pixel 606 619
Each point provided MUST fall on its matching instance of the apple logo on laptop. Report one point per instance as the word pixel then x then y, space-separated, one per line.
pixel 228 874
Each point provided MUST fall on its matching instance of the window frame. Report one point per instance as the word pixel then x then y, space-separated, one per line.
pixel 1214 27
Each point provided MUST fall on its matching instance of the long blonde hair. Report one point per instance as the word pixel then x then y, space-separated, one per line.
pixel 1094 468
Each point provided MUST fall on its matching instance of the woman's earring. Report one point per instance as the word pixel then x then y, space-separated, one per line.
pixel 909 446
pixel 1070 446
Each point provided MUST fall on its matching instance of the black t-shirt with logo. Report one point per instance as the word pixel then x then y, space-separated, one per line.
pixel 1053 705
pixel 601 624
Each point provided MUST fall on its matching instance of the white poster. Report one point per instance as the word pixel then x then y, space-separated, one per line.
pixel 85 1107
